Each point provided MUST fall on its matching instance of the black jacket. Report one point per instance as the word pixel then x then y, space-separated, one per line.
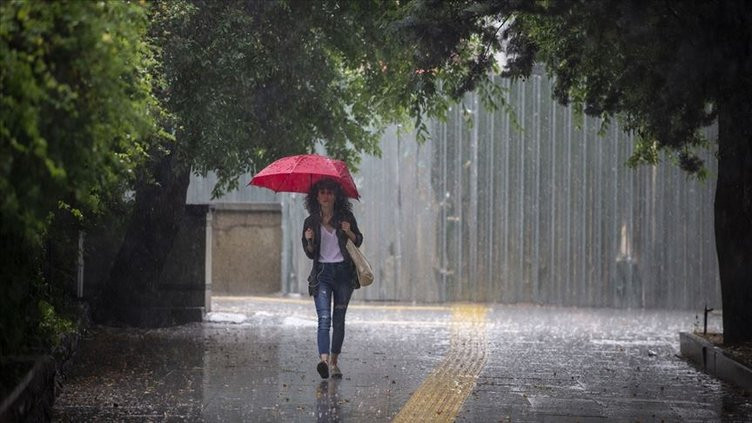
pixel 314 222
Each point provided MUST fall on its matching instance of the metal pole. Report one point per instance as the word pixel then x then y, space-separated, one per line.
pixel 80 272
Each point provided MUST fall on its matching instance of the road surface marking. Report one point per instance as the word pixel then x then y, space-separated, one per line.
pixel 440 397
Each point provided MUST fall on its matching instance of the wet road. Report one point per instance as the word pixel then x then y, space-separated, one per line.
pixel 254 360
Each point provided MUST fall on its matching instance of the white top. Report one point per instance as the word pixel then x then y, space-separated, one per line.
pixel 329 252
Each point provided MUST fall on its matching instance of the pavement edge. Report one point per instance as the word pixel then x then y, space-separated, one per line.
pixel 713 361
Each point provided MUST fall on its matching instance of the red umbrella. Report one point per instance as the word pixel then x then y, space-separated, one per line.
pixel 298 173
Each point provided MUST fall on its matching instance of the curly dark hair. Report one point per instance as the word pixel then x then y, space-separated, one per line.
pixel 341 203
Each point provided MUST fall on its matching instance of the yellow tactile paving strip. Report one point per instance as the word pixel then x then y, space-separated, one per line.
pixel 440 397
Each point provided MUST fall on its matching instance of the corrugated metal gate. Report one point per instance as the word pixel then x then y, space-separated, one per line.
pixel 546 214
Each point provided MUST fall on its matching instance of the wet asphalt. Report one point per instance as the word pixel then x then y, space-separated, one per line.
pixel 254 360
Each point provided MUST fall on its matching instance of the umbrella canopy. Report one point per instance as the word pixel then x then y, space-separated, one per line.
pixel 298 173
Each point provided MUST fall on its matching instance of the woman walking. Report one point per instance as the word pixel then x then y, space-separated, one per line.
pixel 333 278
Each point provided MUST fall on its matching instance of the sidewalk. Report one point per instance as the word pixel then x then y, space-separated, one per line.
pixel 256 362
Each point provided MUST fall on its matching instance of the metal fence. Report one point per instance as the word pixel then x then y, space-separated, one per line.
pixel 545 211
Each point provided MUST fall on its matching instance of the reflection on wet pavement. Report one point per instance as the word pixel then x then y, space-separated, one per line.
pixel 327 401
pixel 254 360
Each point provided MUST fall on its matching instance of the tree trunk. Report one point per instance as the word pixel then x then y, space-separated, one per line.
pixel 132 288
pixel 733 218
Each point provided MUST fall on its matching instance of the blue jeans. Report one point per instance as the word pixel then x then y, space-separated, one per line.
pixel 334 283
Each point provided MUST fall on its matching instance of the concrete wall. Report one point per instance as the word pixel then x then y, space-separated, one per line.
pixel 246 248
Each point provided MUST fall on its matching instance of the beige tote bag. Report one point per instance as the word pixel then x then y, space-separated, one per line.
pixel 365 273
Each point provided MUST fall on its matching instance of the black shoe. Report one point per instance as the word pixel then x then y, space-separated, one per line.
pixel 323 369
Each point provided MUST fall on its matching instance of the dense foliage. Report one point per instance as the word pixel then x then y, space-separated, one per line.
pixel 76 116
pixel 76 102
pixel 250 82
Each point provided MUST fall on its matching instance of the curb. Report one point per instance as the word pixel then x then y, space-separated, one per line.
pixel 713 361
pixel 32 398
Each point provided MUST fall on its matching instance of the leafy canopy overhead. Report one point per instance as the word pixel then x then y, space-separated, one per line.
pixel 662 67
pixel 249 82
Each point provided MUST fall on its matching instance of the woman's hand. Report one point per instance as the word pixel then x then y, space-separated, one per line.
pixel 308 234
pixel 347 230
